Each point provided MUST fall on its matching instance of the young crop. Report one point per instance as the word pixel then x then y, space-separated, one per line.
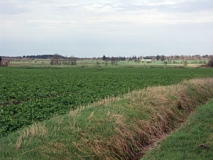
pixel 31 95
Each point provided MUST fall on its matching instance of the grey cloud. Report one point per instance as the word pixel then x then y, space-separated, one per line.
pixel 182 6
pixel 195 6
pixel 186 7
pixel 71 7
pixel 11 9
pixel 106 26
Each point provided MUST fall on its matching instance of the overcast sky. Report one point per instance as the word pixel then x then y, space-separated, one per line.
pixel 93 28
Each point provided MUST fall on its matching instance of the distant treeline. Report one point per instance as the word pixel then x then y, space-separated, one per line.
pixel 120 58
pixel 45 56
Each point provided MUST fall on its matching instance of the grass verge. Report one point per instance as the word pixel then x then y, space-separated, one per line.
pixel 114 128
pixel 194 140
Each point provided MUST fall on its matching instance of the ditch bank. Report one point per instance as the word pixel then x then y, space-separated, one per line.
pixel 114 128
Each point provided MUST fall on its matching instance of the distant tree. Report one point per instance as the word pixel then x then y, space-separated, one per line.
pixel 49 56
pixel 73 61
pixel 185 63
pixel 55 60
pixel 158 57
pixel 134 58
pixel 163 58
pixel 104 58
pixel 0 60
pixel 177 57
pixel 210 63
pixel 56 56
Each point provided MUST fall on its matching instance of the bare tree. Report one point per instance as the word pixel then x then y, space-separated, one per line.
pixel 55 60
pixel 163 58
pixel 210 63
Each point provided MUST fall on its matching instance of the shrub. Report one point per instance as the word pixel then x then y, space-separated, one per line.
pixel 210 63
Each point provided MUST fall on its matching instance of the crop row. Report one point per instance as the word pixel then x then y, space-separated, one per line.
pixel 29 95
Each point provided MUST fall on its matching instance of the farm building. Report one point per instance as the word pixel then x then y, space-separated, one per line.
pixel 146 59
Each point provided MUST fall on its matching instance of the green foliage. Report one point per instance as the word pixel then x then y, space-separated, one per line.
pixel 192 141
pixel 104 58
pixel 158 57
pixel 185 63
pixel 29 95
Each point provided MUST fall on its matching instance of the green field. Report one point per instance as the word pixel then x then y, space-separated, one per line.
pixel 121 127
pixel 101 63
pixel 31 94
pixel 193 141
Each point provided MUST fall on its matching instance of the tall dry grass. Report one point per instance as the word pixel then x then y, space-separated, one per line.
pixel 167 107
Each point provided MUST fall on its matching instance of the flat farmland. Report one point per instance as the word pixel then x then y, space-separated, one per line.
pixel 29 95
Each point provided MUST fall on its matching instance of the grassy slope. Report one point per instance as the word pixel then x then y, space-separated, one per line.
pixel 193 141
pixel 114 128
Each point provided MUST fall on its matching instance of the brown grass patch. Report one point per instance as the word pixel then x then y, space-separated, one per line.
pixel 36 130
